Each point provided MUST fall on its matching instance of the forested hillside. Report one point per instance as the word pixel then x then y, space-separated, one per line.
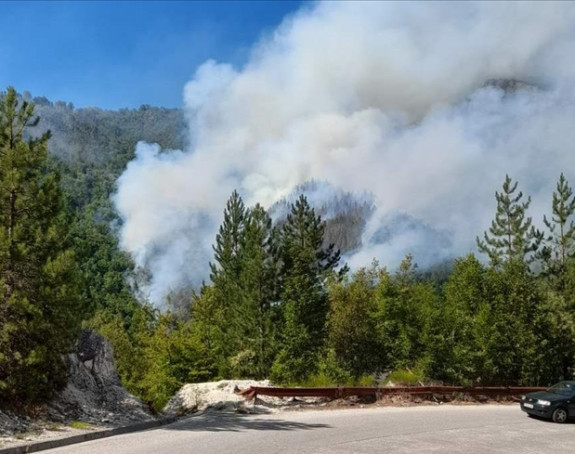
pixel 280 301
pixel 85 151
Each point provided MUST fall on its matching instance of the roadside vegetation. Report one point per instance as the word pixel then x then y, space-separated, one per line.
pixel 280 303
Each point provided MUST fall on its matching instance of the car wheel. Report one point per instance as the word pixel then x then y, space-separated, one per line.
pixel 559 415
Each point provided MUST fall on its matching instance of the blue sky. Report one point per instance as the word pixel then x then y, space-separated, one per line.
pixel 124 54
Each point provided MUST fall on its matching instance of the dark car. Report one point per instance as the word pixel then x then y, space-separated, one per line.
pixel 557 403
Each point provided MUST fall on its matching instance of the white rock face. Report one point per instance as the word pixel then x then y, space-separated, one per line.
pixel 219 395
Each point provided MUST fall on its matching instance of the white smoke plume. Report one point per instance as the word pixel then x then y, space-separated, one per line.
pixel 386 98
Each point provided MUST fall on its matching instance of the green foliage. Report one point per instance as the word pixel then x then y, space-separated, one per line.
pixel 257 317
pixel 330 373
pixel 80 425
pixel 244 277
pixel 157 354
pixel 560 244
pixel 128 342
pixel 330 367
pixel 511 235
pixel 352 322
pixel 515 301
pixel 100 137
pixel 405 377
pixel 209 324
pixel 225 277
pixel 305 266
pixel 104 268
pixel 276 305
pixel 462 330
pixel 38 279
pixel 405 308
pixel 554 349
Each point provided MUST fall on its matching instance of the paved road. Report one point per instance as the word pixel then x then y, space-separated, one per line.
pixel 441 429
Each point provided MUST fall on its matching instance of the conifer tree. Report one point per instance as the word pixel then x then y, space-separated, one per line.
pixel 228 240
pixel 258 279
pixel 38 280
pixel 305 265
pixel 560 244
pixel 225 275
pixel 511 236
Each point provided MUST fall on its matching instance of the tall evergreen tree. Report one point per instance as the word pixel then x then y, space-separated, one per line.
pixel 225 275
pixel 305 266
pixel 228 241
pixel 38 291
pixel 511 236
pixel 258 279
pixel 560 244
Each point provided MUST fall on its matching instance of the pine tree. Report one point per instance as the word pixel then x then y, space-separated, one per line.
pixel 258 279
pixel 305 266
pixel 228 241
pixel 560 244
pixel 225 276
pixel 511 236
pixel 38 280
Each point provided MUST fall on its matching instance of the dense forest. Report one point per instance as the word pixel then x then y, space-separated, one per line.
pixel 280 302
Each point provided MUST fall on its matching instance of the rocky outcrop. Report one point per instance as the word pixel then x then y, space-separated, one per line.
pixel 94 392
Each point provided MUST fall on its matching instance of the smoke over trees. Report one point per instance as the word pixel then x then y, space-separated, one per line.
pixel 423 108
pixel 294 318
pixel 276 307
pixel 416 115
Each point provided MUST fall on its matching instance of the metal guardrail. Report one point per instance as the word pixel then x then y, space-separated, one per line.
pixel 252 392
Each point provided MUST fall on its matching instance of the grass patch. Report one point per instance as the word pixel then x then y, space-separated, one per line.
pixel 322 380
pixel 80 425
pixel 405 377
pixel 366 380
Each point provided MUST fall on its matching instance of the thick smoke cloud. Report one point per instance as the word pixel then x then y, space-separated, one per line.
pixel 386 98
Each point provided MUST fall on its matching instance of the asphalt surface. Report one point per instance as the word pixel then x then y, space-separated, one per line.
pixel 439 429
